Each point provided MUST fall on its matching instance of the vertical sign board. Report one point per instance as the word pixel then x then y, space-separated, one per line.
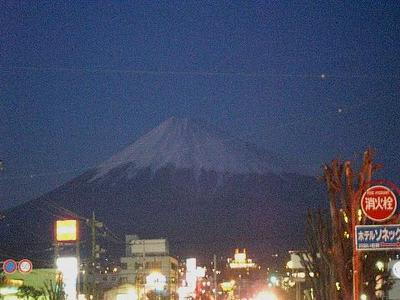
pixel 377 237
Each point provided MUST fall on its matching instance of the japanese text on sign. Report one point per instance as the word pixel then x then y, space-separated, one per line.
pixel 377 237
pixel 379 203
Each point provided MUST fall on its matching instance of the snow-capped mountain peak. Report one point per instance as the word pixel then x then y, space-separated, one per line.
pixel 189 144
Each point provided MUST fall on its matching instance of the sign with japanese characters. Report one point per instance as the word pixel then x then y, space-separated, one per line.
pixel 377 237
pixel 378 203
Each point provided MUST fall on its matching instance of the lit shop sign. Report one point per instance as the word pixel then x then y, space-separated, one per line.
pixel 241 261
pixel 66 230
pixel 68 266
pixel 156 281
pixel 377 237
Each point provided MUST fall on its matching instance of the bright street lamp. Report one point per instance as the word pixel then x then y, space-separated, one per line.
pixel 265 295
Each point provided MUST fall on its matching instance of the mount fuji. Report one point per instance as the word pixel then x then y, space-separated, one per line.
pixel 186 181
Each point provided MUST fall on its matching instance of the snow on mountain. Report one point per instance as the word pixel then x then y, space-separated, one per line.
pixel 187 144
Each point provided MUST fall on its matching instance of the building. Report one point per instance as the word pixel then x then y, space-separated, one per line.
pixel 149 267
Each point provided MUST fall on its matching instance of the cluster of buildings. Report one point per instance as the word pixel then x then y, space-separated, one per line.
pixel 147 270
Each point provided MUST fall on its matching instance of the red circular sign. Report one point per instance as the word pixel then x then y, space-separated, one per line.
pixel 378 203
pixel 10 266
pixel 25 266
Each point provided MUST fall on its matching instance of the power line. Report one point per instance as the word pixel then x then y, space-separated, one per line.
pixel 43 174
pixel 104 70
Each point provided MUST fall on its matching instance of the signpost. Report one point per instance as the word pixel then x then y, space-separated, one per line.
pixel 10 266
pixel 25 266
pixel 378 203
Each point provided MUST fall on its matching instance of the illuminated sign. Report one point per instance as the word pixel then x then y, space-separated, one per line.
pixel 377 237
pixel 379 203
pixel 191 264
pixel 156 281
pixel 68 266
pixel 241 261
pixel 228 286
pixel 130 295
pixel 66 230
pixel 396 269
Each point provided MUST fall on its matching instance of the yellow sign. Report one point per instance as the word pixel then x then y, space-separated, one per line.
pixel 66 231
pixel 228 286
pixel 241 261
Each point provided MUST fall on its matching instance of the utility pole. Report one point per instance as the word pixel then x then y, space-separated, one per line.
pixel 90 274
pixel 215 277
pixel 298 290
pixel 93 239
pixel 78 279
pixel 356 260
pixel 144 269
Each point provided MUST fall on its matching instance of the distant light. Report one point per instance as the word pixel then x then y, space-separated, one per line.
pixel 8 291
pixel 273 279
pixel 241 261
pixel 183 292
pixel 380 265
pixel 228 285
pixel 191 264
pixel 363 297
pixel 156 281
pixel 359 214
pixel 130 295
pixel 323 76
pixel 396 269
pixel 266 295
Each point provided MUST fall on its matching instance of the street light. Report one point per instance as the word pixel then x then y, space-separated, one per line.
pixel 363 297
pixel 380 265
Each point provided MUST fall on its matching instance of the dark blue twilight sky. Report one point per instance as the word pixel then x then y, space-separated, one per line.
pixel 79 81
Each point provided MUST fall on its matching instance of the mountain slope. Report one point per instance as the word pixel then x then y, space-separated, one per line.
pixel 187 144
pixel 186 181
